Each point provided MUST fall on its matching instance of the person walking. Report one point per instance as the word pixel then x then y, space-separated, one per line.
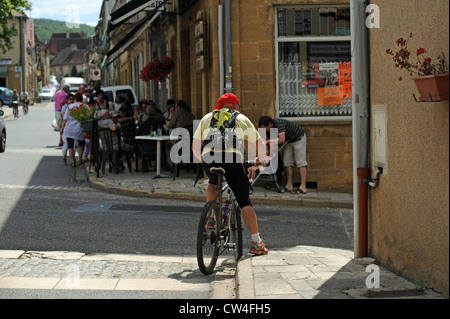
pixel 72 131
pixel 60 100
pixel 294 152
pixel 204 150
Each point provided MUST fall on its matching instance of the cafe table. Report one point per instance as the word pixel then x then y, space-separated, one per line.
pixel 158 139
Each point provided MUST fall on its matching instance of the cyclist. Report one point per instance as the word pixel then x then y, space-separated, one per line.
pixel 231 159
pixel 15 103
pixel 24 99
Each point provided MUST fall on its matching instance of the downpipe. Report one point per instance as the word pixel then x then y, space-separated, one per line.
pixel 363 182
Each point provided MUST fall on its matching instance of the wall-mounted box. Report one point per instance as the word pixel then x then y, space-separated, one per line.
pixel 200 63
pixel 200 46
pixel 200 29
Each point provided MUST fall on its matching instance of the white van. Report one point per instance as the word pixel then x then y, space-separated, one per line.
pixel 125 91
pixel 73 83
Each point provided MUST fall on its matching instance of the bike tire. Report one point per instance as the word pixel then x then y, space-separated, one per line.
pixel 208 237
pixel 236 230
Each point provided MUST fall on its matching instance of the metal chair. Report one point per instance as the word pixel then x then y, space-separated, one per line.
pixel 128 134
pixel 111 149
pixel 148 151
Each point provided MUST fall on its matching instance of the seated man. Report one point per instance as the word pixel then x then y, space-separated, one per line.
pixel 150 123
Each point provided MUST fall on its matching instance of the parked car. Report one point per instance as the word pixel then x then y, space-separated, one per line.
pixel 2 133
pixel 73 83
pixel 124 91
pixel 5 96
pixel 47 94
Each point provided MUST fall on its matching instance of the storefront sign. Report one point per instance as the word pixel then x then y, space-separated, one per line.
pixel 345 80
pixel 328 96
pixel 31 32
pixel 329 49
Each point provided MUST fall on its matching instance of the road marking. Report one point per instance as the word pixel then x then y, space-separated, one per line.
pixel 45 187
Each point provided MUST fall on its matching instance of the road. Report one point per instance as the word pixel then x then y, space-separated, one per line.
pixel 45 208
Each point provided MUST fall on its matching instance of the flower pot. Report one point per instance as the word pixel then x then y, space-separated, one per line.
pixel 87 125
pixel 434 85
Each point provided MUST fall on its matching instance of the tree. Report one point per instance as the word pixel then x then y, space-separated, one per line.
pixel 7 8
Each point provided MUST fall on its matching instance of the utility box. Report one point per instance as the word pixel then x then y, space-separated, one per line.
pixel 379 137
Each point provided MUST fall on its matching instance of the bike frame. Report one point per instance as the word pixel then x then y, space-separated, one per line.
pixel 227 231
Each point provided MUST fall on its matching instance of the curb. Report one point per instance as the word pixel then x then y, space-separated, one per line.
pixel 245 287
pixel 125 191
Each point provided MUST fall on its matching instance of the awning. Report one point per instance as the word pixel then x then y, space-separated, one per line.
pixel 130 38
pixel 131 8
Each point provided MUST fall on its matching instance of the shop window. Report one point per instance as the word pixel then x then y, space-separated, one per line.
pixel 313 62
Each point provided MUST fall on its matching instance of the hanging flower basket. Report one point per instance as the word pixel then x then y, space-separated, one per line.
pixel 87 125
pixel 157 70
pixel 432 87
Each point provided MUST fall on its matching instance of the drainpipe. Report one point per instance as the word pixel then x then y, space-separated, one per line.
pixel 220 40
pixel 360 114
pixel 228 64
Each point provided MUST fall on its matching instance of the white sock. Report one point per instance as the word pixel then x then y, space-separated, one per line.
pixel 256 238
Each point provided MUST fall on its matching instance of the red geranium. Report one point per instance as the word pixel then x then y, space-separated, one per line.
pixel 423 66
pixel 157 70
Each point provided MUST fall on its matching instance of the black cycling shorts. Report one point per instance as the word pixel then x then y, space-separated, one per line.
pixel 236 179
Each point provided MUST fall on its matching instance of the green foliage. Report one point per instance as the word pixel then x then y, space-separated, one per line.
pixel 7 32
pixel 46 27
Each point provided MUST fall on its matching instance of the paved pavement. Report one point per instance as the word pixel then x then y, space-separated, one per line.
pixel 301 272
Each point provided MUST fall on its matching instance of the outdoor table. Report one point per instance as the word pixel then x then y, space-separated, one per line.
pixel 158 139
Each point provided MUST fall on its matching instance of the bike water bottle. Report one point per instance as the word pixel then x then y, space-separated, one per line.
pixel 226 209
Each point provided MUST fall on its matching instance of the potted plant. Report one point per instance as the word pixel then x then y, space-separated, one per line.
pixel 431 79
pixel 157 70
pixel 84 114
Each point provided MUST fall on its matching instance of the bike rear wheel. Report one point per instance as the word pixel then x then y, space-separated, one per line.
pixel 208 237
pixel 236 230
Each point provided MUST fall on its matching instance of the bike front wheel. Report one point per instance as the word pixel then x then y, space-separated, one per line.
pixel 208 237
pixel 236 230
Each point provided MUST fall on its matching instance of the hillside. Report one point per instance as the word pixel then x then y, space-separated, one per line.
pixel 45 27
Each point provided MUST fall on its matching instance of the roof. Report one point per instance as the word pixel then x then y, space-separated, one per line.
pixel 70 55
pixel 60 41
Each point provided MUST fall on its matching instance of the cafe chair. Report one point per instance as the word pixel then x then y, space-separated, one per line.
pixel 190 164
pixel 148 151
pixel 128 134
pixel 111 150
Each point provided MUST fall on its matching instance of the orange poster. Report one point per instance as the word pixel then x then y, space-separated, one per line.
pixel 329 96
pixel 345 80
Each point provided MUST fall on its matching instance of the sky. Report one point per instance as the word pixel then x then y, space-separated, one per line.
pixel 69 11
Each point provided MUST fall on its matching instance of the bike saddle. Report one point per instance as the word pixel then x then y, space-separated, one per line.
pixel 217 170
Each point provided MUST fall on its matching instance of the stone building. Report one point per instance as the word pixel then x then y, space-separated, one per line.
pixel 281 58
pixel 24 65
pixel 293 59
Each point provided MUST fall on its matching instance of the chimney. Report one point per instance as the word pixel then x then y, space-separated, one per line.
pixel 67 34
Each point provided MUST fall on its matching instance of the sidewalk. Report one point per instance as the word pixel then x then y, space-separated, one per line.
pixel 302 272
pixel 142 184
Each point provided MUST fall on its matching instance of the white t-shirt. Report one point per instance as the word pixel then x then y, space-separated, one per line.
pixel 73 128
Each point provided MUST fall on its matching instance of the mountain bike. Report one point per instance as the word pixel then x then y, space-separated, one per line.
pixel 15 106
pixel 218 233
